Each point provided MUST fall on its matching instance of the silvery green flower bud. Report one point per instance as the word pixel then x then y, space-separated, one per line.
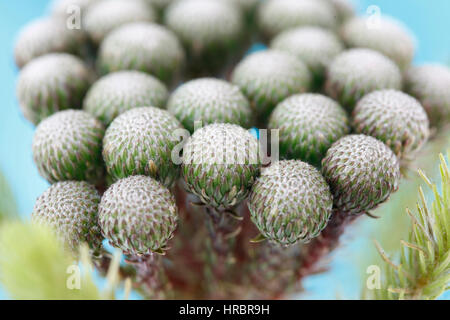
pixel 124 49
pixel 276 16
pixel 140 142
pixel 316 47
pixel 308 125
pixel 290 202
pixel 104 16
pixel 209 101
pixel 220 164
pixel 70 208
pixel 44 36
pixel 210 31
pixel 68 146
pixel 362 173
pixel 121 91
pixel 51 83
pixel 357 72
pixel 138 215
pixel 395 118
pixel 385 35
pixel 429 84
pixel 268 77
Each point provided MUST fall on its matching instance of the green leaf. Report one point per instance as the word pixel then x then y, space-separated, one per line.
pixel 34 265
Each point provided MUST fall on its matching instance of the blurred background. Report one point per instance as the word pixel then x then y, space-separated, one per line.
pixel 429 20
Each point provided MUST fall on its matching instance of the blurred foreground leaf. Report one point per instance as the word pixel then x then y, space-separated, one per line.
pixel 34 265
pixel 8 209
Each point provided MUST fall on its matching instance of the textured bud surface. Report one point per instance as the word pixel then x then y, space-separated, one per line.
pixel 44 36
pixel 220 164
pixel 104 16
pixel 315 46
pixel 276 16
pixel 430 85
pixel 146 47
pixel 70 208
pixel 68 146
pixel 362 172
pixel 356 72
pixel 121 91
pixel 209 29
pixel 140 142
pixel 268 77
pixel 52 83
pixel 210 101
pixel 138 215
pixel 309 124
pixel 290 202
pixel 395 118
pixel 384 35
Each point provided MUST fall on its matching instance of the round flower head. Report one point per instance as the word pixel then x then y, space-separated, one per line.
pixel 362 173
pixel 70 208
pixel 315 46
pixel 138 215
pixel 63 8
pixel 209 29
pixel 68 146
pixel 220 164
pixel 344 9
pixel 309 124
pixel 44 36
pixel 104 16
pixel 140 142
pixel 51 83
pixel 146 47
pixel 209 101
pixel 268 77
pixel 276 16
pixel 395 118
pixel 384 35
pixel 290 202
pixel 430 85
pixel 356 72
pixel 121 91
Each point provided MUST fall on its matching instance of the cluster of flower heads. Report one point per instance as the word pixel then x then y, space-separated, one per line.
pixel 148 93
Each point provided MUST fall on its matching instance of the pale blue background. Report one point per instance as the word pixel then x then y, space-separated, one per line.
pixel 428 19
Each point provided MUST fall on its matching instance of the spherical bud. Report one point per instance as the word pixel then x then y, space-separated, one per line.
pixel 44 36
pixel 316 47
pixel 430 85
pixel 290 202
pixel 104 16
pixel 52 83
pixel 140 142
pixel 308 125
pixel 121 91
pixel 209 101
pixel 146 47
pixel 209 30
pixel 357 72
pixel 70 208
pixel 384 35
pixel 138 215
pixel 276 16
pixel 220 164
pixel 268 77
pixel 395 118
pixel 68 146
pixel 362 173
